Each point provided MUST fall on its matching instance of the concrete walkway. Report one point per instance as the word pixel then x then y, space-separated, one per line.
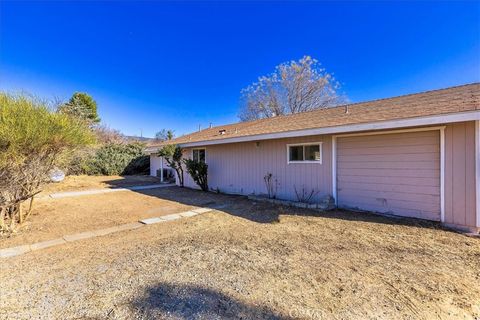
pixel 59 195
pixel 19 250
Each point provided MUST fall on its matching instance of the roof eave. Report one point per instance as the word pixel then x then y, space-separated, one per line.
pixel 368 126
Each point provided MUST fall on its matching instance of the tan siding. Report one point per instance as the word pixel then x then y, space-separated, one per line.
pixel 380 173
pixel 240 168
pixel 460 174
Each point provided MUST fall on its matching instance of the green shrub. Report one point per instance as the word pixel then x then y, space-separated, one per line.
pixel 119 158
pixel 173 155
pixel 199 172
pixel 33 141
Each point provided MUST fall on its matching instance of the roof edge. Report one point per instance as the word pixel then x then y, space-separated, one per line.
pixel 367 126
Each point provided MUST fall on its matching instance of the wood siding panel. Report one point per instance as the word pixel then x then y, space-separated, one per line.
pixel 380 174
pixel 460 204
pixel 240 168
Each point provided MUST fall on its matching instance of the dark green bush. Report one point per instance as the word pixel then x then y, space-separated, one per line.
pixel 118 159
pixel 199 172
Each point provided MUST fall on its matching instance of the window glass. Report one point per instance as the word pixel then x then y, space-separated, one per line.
pixel 296 153
pixel 307 152
pixel 312 152
pixel 199 155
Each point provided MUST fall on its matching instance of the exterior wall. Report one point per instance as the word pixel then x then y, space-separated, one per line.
pixel 155 164
pixel 240 167
pixel 460 185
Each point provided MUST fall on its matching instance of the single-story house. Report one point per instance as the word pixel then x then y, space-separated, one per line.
pixel 416 155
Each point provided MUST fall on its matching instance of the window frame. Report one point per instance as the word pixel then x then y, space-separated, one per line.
pixel 320 148
pixel 204 149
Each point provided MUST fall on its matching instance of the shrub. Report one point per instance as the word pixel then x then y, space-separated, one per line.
pixel 173 155
pixel 33 141
pixel 272 185
pixel 199 172
pixel 119 158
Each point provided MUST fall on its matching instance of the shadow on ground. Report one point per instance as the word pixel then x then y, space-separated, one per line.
pixel 263 212
pixel 180 301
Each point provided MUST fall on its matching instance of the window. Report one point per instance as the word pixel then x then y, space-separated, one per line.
pixel 199 155
pixel 305 153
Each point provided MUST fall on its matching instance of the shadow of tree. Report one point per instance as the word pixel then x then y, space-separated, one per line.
pixel 181 301
pixel 263 212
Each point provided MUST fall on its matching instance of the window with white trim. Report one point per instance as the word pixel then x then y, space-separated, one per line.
pixel 198 155
pixel 305 153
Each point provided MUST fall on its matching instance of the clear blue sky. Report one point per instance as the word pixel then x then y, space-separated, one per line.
pixel 153 65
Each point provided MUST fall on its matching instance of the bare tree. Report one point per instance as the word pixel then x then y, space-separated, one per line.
pixel 295 86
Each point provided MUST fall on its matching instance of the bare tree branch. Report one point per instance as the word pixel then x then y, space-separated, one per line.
pixel 295 86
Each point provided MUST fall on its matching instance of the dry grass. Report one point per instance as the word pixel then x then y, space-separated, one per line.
pixel 53 218
pixel 251 260
pixel 76 183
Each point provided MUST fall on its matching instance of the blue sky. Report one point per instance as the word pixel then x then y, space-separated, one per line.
pixel 153 65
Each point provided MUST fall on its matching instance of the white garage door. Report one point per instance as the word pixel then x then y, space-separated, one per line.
pixel 390 173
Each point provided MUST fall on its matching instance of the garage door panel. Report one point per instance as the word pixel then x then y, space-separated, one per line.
pixel 392 173
pixel 388 157
pixel 405 212
pixel 390 143
pixel 389 150
pixel 420 173
pixel 416 189
pixel 432 182
pixel 390 165
pixel 430 199
pixel 419 135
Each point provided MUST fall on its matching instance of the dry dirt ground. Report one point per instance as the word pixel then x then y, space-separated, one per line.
pixel 52 218
pixel 248 260
pixel 77 183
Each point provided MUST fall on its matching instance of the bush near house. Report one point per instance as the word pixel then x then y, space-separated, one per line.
pixel 199 172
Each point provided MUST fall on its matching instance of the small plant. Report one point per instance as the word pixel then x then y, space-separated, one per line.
pixel 198 170
pixel 173 155
pixel 272 185
pixel 303 195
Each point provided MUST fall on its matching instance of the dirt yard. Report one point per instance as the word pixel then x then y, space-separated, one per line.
pixel 77 183
pixel 244 260
pixel 53 218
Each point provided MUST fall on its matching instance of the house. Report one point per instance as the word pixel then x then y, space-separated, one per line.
pixel 415 155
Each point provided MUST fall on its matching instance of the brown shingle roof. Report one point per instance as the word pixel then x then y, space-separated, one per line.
pixel 437 102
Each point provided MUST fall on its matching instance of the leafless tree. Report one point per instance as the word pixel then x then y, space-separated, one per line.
pixel 295 86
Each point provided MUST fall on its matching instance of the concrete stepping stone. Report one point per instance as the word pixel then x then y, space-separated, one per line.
pixel 171 217
pixel 47 244
pixel 202 210
pixel 152 220
pixel 122 227
pixel 14 251
pixel 187 214
pixel 79 236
